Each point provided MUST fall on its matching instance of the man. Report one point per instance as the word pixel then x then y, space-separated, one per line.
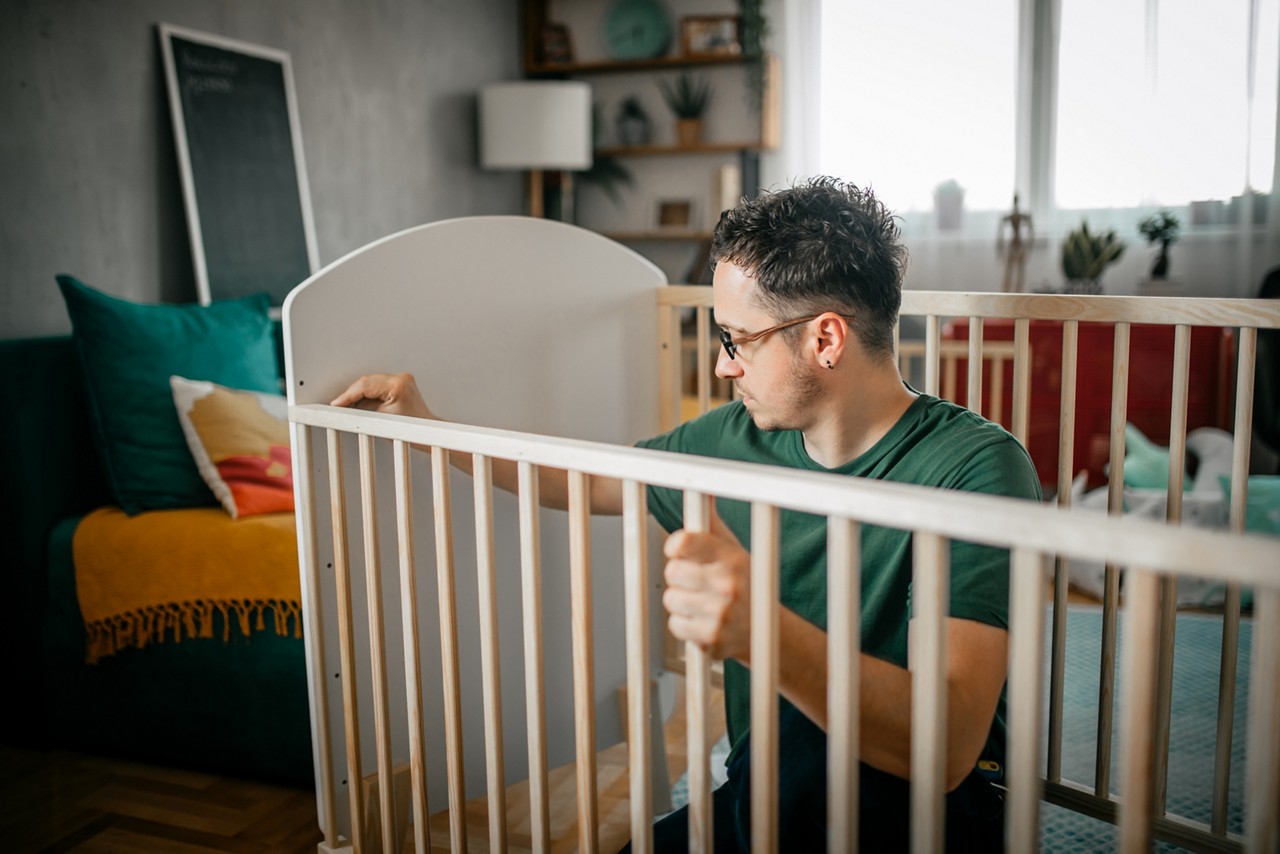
pixel 807 287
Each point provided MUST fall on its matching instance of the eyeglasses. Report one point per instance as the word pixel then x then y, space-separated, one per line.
pixel 731 346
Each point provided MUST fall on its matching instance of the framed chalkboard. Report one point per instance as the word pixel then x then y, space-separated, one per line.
pixel 235 121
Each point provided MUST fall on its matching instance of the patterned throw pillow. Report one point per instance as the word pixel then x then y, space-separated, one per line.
pixel 127 353
pixel 240 442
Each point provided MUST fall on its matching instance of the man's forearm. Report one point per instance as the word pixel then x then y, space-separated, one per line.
pixel 884 702
pixel 884 695
pixel 553 483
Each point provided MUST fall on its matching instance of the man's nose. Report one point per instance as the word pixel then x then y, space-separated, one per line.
pixel 727 368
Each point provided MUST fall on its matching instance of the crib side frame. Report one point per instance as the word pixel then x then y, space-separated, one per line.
pixel 1020 525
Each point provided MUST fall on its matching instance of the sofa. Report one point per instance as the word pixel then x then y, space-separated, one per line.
pixel 221 699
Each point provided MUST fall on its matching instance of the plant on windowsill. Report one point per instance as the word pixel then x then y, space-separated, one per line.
pixel 1085 255
pixel 688 98
pixel 1160 228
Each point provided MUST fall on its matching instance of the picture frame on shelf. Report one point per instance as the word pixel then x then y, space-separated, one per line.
pixel 710 35
pixel 557 44
pixel 675 214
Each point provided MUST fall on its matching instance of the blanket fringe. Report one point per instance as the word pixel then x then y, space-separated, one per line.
pixel 178 620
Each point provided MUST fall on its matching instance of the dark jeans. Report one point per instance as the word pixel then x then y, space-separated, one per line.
pixel 975 810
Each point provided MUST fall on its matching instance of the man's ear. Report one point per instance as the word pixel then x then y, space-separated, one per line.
pixel 834 336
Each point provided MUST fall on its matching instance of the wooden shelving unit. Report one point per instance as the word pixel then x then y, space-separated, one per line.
pixel 744 142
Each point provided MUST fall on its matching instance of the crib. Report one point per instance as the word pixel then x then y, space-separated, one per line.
pixel 510 670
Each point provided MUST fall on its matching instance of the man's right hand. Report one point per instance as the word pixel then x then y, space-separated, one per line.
pixel 394 393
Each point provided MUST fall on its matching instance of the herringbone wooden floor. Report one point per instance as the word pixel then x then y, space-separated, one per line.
pixel 56 801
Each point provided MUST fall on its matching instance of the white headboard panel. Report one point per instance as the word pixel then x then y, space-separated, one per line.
pixel 509 322
pixel 506 322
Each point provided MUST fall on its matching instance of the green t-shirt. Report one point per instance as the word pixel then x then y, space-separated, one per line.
pixel 935 443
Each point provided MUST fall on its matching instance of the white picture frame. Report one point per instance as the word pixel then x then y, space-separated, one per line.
pixel 240 155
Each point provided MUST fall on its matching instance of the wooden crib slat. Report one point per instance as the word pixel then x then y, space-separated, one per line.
pixel 1111 574
pixel 949 360
pixel 1066 446
pixel 1067 415
pixel 1178 420
pixel 1021 378
pixel 1169 584
pixel 377 644
pixel 1262 825
pixel 1026 644
pixel 704 365
pixel 697 517
pixel 931 593
pixel 974 390
pixel 669 369
pixel 534 686
pixel 409 631
pixel 932 352
pixel 997 389
pixel 346 636
pixel 764 678
pixel 309 564
pixel 639 737
pixel 490 664
pixel 844 646
pixel 1247 354
pixel 583 659
pixel 440 495
pixel 1137 701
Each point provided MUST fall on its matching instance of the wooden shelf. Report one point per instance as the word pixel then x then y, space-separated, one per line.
pixel 701 148
pixel 672 234
pixel 609 66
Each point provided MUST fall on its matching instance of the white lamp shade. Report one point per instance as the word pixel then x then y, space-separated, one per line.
pixel 536 124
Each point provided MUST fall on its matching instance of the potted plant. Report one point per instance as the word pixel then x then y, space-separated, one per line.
pixel 634 127
pixel 1085 255
pixel 688 98
pixel 1160 228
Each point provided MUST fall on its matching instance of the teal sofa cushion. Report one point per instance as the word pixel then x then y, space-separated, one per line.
pixel 127 353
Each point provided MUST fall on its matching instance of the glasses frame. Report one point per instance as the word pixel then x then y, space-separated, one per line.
pixel 731 347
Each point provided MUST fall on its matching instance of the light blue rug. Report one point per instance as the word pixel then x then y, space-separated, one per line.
pixel 1196 660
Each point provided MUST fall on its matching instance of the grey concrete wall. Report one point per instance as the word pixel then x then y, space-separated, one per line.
pixel 88 171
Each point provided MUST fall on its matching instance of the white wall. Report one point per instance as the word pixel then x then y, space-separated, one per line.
pixel 87 163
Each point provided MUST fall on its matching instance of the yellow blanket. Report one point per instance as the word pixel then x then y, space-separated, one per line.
pixel 163 575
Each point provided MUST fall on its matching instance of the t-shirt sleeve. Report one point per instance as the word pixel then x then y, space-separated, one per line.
pixel 980 573
pixel 699 436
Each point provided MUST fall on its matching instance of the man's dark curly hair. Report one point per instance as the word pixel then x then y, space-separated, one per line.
pixel 824 245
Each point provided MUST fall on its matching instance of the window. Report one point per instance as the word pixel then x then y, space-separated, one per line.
pixel 1153 106
pixel 917 97
pixel 1153 103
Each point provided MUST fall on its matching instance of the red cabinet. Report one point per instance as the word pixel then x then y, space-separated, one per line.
pixel 1150 387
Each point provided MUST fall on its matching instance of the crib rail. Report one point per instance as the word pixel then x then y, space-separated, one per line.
pixel 986 363
pixel 1034 532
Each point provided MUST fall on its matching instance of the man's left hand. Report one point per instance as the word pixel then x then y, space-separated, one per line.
pixel 708 595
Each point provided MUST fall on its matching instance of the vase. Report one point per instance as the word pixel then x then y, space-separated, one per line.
pixel 634 131
pixel 688 132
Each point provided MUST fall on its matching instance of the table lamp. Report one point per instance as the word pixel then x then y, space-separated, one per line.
pixel 537 125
